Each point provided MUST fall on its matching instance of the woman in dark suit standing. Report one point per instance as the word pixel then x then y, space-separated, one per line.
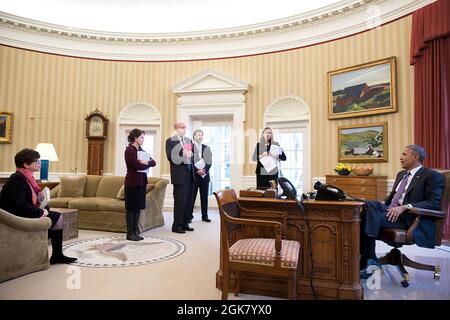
pixel 20 196
pixel 135 183
pixel 262 149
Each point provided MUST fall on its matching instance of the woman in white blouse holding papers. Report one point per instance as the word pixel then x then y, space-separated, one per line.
pixel 270 153
pixel 135 182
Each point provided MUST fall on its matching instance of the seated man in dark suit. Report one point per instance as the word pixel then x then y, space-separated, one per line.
pixel 415 186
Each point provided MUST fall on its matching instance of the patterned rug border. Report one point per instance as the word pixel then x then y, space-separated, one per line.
pixel 181 248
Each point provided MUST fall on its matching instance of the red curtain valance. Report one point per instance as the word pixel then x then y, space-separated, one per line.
pixel 429 23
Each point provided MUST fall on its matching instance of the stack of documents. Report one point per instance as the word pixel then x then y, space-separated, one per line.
pixel 142 155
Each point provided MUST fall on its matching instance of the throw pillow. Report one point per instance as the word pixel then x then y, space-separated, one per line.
pixel 72 187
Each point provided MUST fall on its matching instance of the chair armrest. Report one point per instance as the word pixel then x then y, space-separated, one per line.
pixel 428 212
pixel 54 191
pixel 25 224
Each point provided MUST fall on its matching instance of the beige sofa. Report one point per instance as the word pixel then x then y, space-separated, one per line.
pixel 23 245
pixel 99 206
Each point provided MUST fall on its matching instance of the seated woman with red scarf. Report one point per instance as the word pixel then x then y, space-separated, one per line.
pixel 19 196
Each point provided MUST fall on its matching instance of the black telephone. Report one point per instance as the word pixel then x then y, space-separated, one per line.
pixel 289 191
pixel 328 192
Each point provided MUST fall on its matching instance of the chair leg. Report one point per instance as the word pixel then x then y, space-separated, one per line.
pixel 225 283
pixel 395 258
pixel 417 265
pixel 237 285
pixel 292 293
pixel 391 257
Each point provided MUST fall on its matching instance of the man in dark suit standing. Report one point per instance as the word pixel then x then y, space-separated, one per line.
pixel 201 177
pixel 179 153
pixel 415 186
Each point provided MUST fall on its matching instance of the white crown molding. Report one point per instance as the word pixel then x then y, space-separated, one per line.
pixel 342 19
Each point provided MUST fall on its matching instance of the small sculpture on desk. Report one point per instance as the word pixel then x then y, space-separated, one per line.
pixel 343 169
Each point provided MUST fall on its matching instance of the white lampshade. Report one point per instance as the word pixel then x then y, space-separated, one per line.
pixel 47 151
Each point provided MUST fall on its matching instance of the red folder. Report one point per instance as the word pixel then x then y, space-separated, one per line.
pixel 187 147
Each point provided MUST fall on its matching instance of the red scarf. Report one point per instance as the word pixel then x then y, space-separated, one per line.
pixel 32 182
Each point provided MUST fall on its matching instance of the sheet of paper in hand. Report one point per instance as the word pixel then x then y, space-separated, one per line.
pixel 44 198
pixel 275 150
pixel 201 164
pixel 268 163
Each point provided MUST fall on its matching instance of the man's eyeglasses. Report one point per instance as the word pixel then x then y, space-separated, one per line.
pixel 38 161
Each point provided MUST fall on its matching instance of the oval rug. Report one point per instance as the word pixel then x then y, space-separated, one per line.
pixel 110 252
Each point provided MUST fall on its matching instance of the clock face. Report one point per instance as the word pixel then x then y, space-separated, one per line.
pixel 96 127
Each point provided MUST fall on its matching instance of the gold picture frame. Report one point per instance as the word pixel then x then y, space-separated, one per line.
pixel 363 143
pixel 361 90
pixel 6 119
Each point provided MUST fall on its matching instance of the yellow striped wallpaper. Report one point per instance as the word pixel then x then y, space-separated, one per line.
pixel 50 95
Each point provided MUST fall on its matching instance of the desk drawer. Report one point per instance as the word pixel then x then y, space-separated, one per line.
pixel 355 181
pixel 359 189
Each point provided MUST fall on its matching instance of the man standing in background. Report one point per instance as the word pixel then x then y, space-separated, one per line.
pixel 202 163
pixel 179 153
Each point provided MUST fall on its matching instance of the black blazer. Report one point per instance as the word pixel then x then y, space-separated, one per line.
pixel 207 157
pixel 17 199
pixel 180 171
pixel 424 191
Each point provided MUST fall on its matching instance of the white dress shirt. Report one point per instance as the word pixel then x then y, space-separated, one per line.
pixel 199 149
pixel 413 172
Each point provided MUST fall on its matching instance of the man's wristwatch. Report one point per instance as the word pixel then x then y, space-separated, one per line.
pixel 408 206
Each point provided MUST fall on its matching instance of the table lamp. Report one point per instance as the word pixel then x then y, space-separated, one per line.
pixel 48 153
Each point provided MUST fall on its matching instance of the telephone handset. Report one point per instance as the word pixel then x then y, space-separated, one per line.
pixel 290 192
pixel 328 192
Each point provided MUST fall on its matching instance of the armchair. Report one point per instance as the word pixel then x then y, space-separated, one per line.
pixel 270 256
pixel 399 237
pixel 23 245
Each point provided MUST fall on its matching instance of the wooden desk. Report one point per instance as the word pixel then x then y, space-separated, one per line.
pixel 334 231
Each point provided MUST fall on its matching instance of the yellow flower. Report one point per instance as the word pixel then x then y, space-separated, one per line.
pixel 343 166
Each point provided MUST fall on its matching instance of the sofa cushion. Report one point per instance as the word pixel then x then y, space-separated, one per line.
pixel 121 193
pixel 92 183
pixel 114 205
pixel 60 202
pixel 109 186
pixel 90 204
pixel 72 186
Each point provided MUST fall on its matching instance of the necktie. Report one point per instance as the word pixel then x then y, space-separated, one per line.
pixel 400 190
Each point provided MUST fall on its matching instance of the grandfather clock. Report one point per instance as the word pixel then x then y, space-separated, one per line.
pixel 96 133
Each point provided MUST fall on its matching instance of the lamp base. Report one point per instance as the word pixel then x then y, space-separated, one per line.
pixel 44 170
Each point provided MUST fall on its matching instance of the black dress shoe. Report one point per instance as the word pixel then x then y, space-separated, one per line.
pixel 190 221
pixel 206 219
pixel 60 258
pixel 178 230
pixel 187 228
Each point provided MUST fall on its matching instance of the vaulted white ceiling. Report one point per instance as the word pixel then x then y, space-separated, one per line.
pixel 157 16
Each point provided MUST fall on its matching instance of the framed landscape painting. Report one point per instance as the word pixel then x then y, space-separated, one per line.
pixel 362 90
pixel 5 127
pixel 363 143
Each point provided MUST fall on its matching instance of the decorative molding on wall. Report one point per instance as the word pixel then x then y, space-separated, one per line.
pixel 287 109
pixel 338 20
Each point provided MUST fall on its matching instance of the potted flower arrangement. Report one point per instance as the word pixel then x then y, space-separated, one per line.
pixel 343 169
